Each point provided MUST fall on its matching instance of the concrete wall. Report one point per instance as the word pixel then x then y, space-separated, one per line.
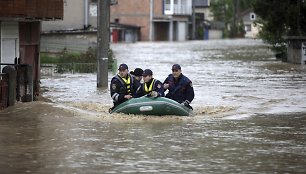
pixel 78 42
pixel 215 34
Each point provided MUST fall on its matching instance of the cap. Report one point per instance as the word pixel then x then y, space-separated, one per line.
pixel 123 67
pixel 176 67
pixel 138 72
pixel 147 72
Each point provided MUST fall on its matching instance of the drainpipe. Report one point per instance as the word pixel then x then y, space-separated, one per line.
pixel 151 20
pixel 85 14
pixel 171 29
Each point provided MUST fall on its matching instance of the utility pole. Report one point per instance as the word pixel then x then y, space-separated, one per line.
pixel 103 43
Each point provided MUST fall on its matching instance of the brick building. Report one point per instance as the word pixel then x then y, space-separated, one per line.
pixel 159 20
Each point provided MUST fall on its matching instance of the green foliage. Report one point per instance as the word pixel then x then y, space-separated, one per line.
pixel 90 56
pixel 224 10
pixel 47 58
pixel 200 32
pixel 279 19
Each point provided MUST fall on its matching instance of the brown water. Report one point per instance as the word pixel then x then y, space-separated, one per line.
pixel 250 117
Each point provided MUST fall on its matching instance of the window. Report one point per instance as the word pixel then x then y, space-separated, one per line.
pixel 167 5
pixel 248 28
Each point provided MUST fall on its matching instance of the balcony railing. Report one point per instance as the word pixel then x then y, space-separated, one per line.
pixel 183 8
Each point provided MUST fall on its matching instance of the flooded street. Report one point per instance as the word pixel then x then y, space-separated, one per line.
pixel 249 117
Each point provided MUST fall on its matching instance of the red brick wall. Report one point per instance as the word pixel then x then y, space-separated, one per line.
pixel 136 12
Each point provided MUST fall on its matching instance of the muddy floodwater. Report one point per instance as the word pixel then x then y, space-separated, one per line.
pixel 249 117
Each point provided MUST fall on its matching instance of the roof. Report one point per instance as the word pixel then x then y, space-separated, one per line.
pixel 32 9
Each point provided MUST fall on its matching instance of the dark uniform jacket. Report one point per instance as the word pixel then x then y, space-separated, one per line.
pixel 120 87
pixel 181 89
pixel 152 85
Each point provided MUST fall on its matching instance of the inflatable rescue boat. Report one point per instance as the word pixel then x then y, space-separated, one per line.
pixel 152 106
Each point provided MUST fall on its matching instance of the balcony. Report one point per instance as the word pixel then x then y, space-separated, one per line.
pixel 178 7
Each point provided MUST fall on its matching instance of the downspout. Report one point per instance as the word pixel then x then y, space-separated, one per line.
pixel 151 20
pixel 171 29
pixel 85 14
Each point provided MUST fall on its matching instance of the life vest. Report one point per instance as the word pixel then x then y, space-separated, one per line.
pixel 150 88
pixel 127 83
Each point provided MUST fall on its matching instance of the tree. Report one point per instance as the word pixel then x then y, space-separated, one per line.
pixel 228 11
pixel 279 19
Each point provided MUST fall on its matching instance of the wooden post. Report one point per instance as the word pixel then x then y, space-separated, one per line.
pixel 12 74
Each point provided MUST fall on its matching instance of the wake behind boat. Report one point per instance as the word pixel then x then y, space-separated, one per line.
pixel 152 106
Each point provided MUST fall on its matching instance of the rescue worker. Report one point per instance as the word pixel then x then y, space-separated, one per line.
pixel 138 74
pixel 123 86
pixel 179 86
pixel 151 87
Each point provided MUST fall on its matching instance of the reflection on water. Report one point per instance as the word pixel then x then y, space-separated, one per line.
pixel 249 117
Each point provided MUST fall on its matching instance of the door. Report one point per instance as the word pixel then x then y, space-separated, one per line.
pixel 181 31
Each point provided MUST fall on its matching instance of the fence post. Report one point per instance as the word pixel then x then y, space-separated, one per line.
pixel 26 83
pixel 73 68
pixel 12 74
pixel 29 85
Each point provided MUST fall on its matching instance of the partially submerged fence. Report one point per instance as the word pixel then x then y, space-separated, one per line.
pixel 3 90
pixel 16 84
pixel 61 68
pixel 50 69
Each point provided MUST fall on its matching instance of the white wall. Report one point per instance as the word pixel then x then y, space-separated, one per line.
pixel 9 41
pixel 253 33
pixel 215 34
